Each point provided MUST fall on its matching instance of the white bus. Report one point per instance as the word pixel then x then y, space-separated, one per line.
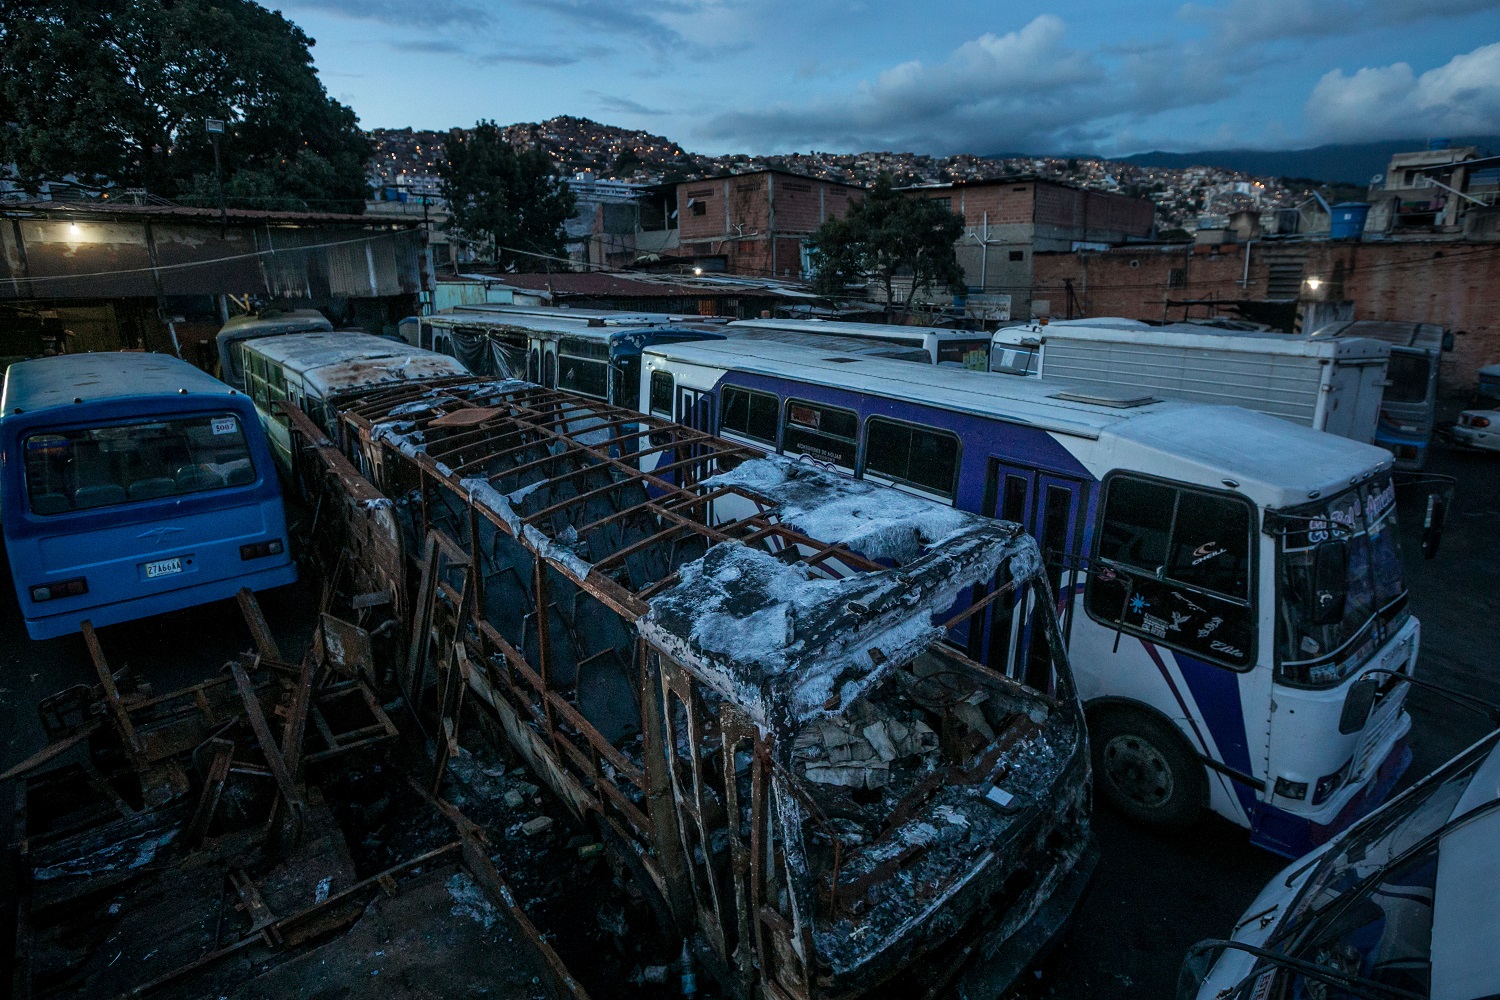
pixel 964 348
pixel 1224 577
pixel 308 368
pixel 1332 385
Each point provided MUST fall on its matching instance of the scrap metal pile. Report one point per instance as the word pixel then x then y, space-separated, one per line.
pixel 206 842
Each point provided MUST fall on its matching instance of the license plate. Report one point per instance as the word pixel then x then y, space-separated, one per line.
pixel 163 567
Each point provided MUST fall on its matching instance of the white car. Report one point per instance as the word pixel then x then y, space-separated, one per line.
pixel 1477 429
pixel 1404 904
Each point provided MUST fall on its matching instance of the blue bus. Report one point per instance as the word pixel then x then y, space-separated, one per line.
pixel 1408 410
pixel 1224 577
pixel 131 485
pixel 586 354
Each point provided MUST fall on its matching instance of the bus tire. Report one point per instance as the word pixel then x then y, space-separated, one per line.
pixel 1145 769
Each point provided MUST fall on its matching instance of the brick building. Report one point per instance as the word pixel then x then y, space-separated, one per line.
pixel 1008 221
pixel 1448 282
pixel 754 224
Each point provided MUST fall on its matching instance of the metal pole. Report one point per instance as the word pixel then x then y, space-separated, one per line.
pixel 213 137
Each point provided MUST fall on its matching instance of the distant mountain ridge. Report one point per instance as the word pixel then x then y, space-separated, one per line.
pixel 1349 163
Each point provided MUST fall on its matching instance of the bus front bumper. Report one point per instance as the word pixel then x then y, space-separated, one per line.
pixel 1290 835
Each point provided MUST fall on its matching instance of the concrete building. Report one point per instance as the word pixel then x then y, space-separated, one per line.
pixel 753 224
pixel 1293 284
pixel 90 276
pixel 1008 221
pixel 1433 190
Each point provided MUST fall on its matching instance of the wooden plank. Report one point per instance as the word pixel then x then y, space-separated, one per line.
pixel 117 710
pixel 260 631
pixel 274 760
pixel 213 789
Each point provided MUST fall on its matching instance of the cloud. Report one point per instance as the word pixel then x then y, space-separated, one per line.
pixel 1026 89
pixel 622 105
pixel 446 47
pixel 1461 97
pixel 404 13
pixel 1241 23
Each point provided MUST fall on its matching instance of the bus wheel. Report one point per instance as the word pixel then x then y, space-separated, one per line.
pixel 1145 769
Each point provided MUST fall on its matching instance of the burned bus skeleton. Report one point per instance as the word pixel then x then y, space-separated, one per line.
pixel 733 666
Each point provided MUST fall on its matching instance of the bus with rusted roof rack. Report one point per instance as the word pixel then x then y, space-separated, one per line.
pixel 731 665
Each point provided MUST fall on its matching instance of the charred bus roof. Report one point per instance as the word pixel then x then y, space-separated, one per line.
pixel 694 642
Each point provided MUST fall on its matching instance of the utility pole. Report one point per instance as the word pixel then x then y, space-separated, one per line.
pixel 215 128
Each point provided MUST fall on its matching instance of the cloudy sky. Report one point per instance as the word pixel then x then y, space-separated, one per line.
pixel 940 76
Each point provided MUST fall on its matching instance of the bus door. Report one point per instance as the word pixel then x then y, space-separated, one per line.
pixel 695 411
pixel 549 365
pixel 1051 508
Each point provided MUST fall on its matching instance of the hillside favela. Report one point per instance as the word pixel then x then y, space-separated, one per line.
pixel 750 501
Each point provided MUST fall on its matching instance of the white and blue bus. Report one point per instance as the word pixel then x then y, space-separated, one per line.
pixel 1408 410
pixel 1224 577
pixel 131 485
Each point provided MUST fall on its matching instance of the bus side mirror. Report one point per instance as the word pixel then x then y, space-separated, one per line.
pixel 1330 580
pixel 1432 524
pixel 1357 704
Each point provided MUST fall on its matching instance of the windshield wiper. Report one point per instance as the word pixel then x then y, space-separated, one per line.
pixel 1338 905
pixel 1359 986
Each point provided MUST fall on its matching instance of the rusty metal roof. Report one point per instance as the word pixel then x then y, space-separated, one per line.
pixel 105 210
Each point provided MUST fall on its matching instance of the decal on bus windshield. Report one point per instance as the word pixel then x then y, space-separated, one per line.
pixel 225 425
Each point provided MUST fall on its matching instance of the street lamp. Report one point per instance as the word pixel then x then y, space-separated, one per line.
pixel 215 128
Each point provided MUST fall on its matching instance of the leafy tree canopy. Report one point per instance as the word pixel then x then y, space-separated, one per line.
pixel 116 92
pixel 885 237
pixel 506 197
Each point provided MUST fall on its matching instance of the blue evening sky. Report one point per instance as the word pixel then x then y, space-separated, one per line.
pixel 940 76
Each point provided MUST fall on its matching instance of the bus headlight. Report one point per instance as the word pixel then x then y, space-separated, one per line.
pixel 260 550
pixel 52 591
pixel 1289 789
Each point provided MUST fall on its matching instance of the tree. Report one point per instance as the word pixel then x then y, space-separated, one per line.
pixel 114 93
pixel 886 236
pixel 510 197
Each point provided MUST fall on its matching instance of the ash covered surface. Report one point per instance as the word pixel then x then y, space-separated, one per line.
pixel 890 852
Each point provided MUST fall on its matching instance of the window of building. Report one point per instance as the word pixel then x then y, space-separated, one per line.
pixel 946 204
pixel 661 394
pixel 1176 277
pixel 699 208
pixel 826 433
pixel 748 413
pixel 924 457
pixel 1173 565
pixel 1018 255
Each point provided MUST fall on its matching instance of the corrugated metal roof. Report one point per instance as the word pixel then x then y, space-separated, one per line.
pixel 94 210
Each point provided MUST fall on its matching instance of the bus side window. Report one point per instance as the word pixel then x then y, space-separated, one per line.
pixel 748 413
pixel 822 432
pixel 534 366
pixel 1174 566
pixel 661 394
pixel 255 378
pixel 924 457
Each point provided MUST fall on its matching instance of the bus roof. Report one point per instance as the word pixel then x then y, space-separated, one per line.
pixel 1192 336
pixel 571 326
pixel 336 362
pixel 817 339
pixel 1421 336
pixel 70 379
pixel 272 324
pixel 609 317
pixel 1279 462
pixel 877 331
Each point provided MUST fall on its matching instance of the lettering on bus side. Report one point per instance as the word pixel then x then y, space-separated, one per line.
pixel 1173 564
pixel 826 433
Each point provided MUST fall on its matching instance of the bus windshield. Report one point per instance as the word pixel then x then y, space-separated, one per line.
pixel 1341 589
pixel 1408 375
pixel 85 468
